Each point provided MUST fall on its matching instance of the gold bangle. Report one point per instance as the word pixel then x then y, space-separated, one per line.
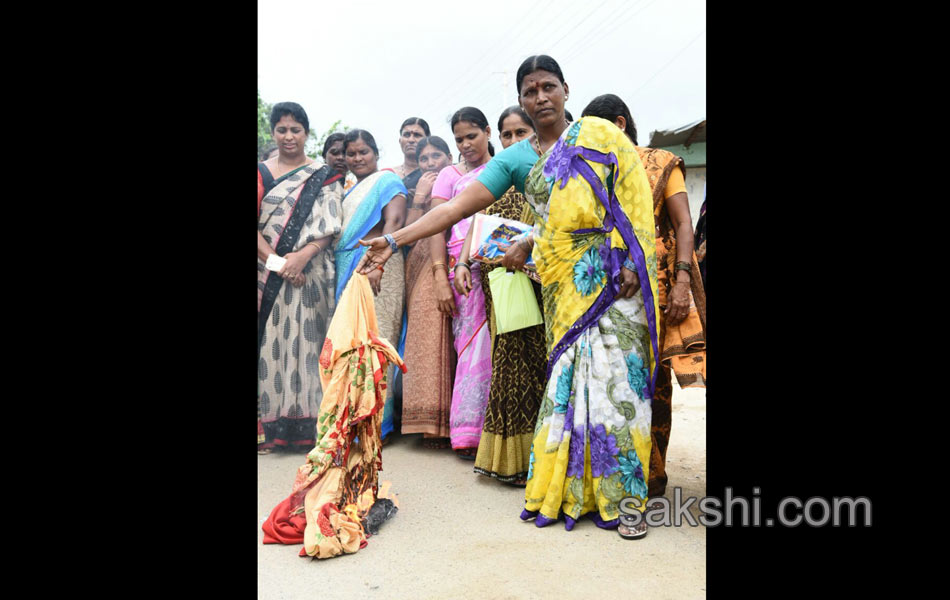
pixel 438 264
pixel 315 245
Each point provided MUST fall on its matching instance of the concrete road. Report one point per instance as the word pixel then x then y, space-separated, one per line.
pixel 457 535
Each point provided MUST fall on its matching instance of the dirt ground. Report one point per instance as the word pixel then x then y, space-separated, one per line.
pixel 457 535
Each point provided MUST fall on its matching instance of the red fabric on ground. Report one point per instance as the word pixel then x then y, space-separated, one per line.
pixel 283 528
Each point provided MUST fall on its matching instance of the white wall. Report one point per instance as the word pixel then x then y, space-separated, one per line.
pixel 695 182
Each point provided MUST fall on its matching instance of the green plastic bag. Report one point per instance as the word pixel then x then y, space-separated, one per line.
pixel 516 306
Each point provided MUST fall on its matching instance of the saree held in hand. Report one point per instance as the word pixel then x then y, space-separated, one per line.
pixel 469 327
pixel 592 209
pixel 335 489
pixel 362 210
pixel 682 346
pixel 300 208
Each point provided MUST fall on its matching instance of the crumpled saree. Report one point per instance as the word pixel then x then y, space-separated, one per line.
pixel 338 484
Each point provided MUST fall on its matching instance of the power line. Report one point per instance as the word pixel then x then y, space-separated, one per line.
pixel 622 19
pixel 663 68
pixel 452 88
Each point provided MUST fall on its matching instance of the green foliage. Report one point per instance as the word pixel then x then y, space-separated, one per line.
pixel 263 124
pixel 315 143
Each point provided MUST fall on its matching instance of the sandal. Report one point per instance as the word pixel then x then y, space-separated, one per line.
pixel 632 533
pixel 467 453
pixel 435 443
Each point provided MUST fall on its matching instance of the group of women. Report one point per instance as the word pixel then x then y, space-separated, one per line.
pixel 576 409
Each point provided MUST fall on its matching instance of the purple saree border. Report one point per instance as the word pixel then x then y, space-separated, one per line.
pixel 567 162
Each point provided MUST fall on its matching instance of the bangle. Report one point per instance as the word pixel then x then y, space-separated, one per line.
pixel 437 264
pixel 392 241
pixel 315 245
pixel 463 263
pixel 630 265
pixel 683 266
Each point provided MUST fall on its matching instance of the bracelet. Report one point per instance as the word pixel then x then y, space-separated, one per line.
pixel 392 242
pixel 630 265
pixel 683 266
pixel 463 263
pixel 315 245
pixel 437 264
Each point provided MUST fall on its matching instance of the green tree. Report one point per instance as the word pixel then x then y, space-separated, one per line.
pixel 315 142
pixel 263 124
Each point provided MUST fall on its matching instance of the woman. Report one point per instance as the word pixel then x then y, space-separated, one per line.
pixel 427 387
pixel 593 247
pixel 682 339
pixel 298 217
pixel 333 156
pixel 469 323
pixel 376 205
pixel 518 357
pixel 411 131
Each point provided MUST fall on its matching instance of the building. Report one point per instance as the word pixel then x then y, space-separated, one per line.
pixel 688 142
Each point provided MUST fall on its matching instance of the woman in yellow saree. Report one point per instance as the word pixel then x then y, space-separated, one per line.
pixel 595 254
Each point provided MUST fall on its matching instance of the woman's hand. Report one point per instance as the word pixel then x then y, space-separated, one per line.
pixel 377 255
pixel 374 277
pixel 424 187
pixel 629 283
pixel 443 295
pixel 463 280
pixel 678 307
pixel 299 280
pixel 294 265
pixel 516 256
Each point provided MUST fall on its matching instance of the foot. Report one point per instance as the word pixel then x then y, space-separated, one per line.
pixel 435 443
pixel 467 453
pixel 264 451
pixel 632 533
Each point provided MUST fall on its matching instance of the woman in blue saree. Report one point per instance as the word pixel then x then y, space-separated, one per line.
pixel 375 206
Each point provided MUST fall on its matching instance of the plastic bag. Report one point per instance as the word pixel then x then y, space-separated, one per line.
pixel 516 306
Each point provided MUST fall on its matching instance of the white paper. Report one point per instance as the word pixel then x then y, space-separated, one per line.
pixel 275 263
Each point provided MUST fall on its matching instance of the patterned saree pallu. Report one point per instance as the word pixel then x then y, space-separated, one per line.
pixel 338 485
pixel 593 208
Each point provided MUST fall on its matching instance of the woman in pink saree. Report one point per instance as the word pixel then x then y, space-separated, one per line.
pixel 469 324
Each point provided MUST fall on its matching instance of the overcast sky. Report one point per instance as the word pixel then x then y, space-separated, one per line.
pixel 373 63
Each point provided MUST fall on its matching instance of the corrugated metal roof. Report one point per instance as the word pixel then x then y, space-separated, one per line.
pixel 687 134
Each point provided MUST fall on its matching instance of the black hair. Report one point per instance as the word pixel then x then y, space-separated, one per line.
pixel 472 115
pixel 267 150
pixel 432 140
pixel 360 134
pixel 517 110
pixel 415 121
pixel 282 109
pixel 331 139
pixel 610 106
pixel 540 62
pixel 568 115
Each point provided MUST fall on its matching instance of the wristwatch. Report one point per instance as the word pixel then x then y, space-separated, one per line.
pixel 392 242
